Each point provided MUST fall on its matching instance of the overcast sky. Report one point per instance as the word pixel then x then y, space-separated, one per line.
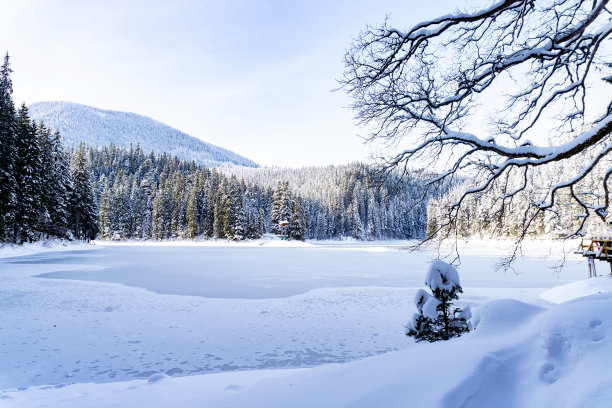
pixel 254 77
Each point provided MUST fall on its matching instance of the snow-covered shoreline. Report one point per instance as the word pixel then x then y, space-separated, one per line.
pixel 553 249
pixel 54 245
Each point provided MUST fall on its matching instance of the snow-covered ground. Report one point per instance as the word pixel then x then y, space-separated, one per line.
pixel 220 325
pixel 12 250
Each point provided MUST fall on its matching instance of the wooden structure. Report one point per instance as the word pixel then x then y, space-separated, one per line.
pixel 283 226
pixel 599 248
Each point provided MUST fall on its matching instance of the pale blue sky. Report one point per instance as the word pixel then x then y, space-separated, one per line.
pixel 251 76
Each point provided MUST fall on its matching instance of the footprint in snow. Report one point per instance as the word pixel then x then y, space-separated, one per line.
pixel 595 326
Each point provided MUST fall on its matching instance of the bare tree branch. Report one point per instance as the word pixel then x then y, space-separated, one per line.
pixel 422 87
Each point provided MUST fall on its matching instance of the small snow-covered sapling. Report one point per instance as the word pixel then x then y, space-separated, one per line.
pixel 436 318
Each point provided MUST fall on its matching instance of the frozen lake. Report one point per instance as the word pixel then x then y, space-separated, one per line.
pixel 121 312
pixel 273 272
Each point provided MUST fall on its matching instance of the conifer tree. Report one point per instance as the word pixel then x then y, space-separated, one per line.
pixel 83 213
pixel 436 318
pixel 163 208
pixel 297 226
pixel 47 175
pixel 104 218
pixel 143 208
pixel 53 218
pixel 356 223
pixel 192 214
pixel 62 189
pixel 29 179
pixel 8 153
pixel 220 224
pixel 235 211
pixel 282 209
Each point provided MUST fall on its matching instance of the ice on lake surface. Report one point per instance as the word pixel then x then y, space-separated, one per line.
pixel 257 273
pixel 120 312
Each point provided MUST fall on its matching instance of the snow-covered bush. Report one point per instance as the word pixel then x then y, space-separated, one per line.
pixel 436 318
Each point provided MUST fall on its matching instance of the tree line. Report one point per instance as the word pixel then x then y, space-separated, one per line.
pixel 44 191
pixel 508 209
pixel 144 196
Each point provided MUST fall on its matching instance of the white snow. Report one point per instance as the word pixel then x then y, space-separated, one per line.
pixel 335 339
pixel 429 307
pixel 575 290
pixel 12 250
pixel 442 276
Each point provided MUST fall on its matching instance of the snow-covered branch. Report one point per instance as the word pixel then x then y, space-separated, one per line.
pixel 425 88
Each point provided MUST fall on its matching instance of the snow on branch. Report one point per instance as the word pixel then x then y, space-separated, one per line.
pixel 425 88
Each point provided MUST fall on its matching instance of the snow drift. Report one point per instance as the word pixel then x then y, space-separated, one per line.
pixel 519 355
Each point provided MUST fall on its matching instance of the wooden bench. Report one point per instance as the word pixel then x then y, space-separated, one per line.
pixel 598 247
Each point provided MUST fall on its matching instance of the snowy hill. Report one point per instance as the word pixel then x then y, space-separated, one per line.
pixel 97 127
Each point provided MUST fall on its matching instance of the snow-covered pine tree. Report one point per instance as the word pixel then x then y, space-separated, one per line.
pixel 277 202
pixel 158 222
pixel 220 210
pixel 29 180
pixel 56 186
pixel 8 153
pixel 297 226
pixel 62 180
pixel 253 223
pixel 105 223
pixel 261 222
pixel 179 204
pixel 47 173
pixel 83 212
pixel 144 208
pixel 121 206
pixel 357 229
pixel 436 318
pixel 238 216
pixel 162 208
pixel 201 199
pixel 192 214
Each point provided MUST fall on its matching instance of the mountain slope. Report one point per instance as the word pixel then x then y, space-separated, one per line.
pixel 97 127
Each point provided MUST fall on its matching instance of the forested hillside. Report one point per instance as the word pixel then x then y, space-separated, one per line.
pixel 147 196
pixel 355 200
pixel 97 127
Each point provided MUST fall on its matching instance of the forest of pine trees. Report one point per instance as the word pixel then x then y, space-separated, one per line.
pixel 43 193
pixel 144 196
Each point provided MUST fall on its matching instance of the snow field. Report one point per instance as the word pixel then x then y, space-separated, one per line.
pixel 61 332
pixel 56 332
pixel 519 356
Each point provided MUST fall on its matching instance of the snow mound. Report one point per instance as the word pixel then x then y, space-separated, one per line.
pixel 555 358
pixel 442 276
pixel 498 315
pixel 574 290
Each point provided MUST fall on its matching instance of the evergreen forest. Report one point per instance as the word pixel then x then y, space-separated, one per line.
pixel 144 196
pixel 44 191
